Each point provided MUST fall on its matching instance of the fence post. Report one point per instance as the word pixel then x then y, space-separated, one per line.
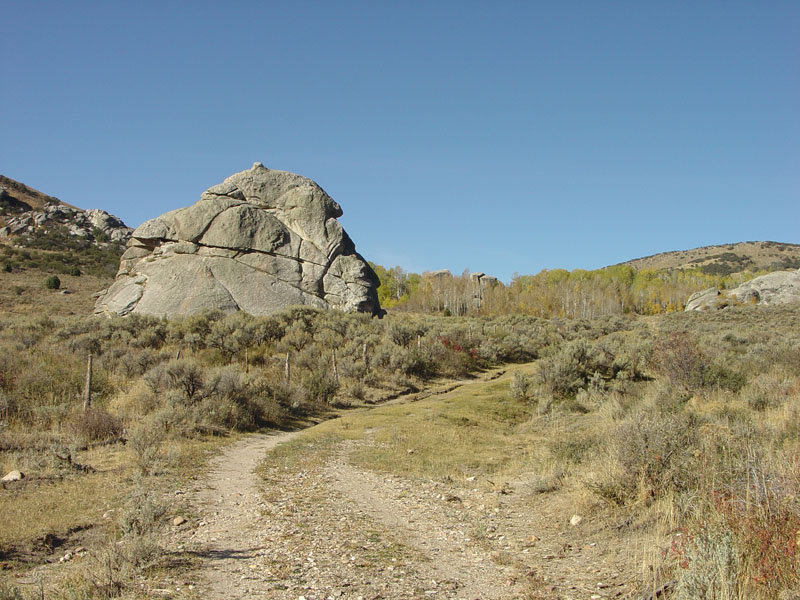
pixel 87 390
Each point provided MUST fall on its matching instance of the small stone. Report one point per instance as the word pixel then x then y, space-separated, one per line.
pixel 14 476
pixel 178 521
pixel 575 520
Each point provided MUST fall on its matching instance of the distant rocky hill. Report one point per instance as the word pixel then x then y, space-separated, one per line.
pixel 29 214
pixel 726 259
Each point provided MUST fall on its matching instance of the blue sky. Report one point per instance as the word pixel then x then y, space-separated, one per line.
pixel 496 136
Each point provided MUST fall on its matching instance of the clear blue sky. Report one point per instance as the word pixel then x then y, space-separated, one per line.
pixel 496 136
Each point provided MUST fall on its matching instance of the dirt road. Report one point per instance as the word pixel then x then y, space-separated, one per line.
pixel 326 528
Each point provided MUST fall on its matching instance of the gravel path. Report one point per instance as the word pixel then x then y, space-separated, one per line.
pixel 323 528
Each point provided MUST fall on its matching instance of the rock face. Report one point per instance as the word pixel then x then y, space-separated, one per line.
pixel 781 287
pixel 260 241
pixel 94 225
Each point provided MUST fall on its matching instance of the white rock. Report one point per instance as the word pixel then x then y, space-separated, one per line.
pixel 14 476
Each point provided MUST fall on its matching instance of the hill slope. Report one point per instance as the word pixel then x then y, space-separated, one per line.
pixel 18 197
pixel 39 236
pixel 725 259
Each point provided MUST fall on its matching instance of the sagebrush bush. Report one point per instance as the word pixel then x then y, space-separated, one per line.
pixel 522 387
pixel 144 444
pixel 649 456
pixel 679 359
pixel 95 425
pixel 709 568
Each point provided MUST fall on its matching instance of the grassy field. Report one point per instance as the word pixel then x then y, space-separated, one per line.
pixel 698 459
pixel 677 424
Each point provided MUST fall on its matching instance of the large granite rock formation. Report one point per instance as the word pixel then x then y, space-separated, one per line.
pixel 260 241
pixel 780 287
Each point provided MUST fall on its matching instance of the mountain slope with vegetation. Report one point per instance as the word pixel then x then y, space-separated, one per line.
pixel 42 237
pixel 726 259
pixel 19 197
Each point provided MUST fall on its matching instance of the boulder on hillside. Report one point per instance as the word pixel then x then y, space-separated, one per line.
pixel 780 287
pixel 260 241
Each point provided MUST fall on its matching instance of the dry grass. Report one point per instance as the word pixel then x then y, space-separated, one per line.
pixel 763 254
pixel 23 293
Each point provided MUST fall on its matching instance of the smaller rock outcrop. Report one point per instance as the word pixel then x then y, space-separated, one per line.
pixel 97 226
pixel 480 283
pixel 780 287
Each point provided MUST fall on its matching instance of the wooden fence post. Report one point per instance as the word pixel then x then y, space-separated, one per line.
pixel 87 390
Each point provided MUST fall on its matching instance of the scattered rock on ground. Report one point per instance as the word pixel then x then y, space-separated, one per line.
pixel 13 476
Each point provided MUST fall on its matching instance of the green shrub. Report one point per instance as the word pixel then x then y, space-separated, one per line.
pixel 52 283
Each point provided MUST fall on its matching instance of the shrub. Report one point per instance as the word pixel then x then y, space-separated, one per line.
pixel 320 384
pixel 521 387
pixel 52 283
pixel 678 358
pixel 710 567
pixel 563 374
pixel 239 402
pixel 96 425
pixel 186 376
pixel 650 456
pixel 144 443
pixel 142 512
pixel 401 334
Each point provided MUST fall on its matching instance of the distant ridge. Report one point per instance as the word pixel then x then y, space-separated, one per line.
pixel 17 192
pixel 725 259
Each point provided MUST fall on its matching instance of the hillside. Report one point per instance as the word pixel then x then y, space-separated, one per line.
pixel 42 236
pixel 725 259
pixel 18 197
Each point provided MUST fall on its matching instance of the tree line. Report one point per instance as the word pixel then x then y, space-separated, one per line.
pixel 577 294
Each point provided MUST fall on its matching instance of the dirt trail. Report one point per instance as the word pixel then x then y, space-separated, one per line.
pixel 329 531
pixel 228 504
pixel 442 539
pixel 325 529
